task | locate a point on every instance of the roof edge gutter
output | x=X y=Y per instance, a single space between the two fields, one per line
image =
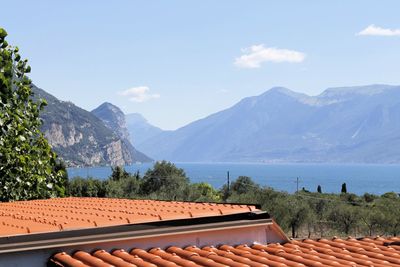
x=131 y=232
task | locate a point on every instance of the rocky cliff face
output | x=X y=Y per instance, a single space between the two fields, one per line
x=82 y=139
x=113 y=118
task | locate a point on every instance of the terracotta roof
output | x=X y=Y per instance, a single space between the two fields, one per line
x=23 y=217
x=322 y=252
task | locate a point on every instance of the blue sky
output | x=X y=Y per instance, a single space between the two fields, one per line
x=178 y=61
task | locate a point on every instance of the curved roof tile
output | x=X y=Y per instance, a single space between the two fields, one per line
x=322 y=252
x=58 y=214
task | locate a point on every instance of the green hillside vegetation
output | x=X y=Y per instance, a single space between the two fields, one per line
x=303 y=214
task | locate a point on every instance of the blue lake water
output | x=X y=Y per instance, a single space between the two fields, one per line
x=360 y=178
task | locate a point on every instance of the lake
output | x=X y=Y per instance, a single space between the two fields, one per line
x=360 y=178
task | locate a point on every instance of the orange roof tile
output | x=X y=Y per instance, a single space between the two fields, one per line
x=23 y=217
x=323 y=252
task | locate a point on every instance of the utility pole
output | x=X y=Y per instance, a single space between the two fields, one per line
x=297 y=182
x=228 y=181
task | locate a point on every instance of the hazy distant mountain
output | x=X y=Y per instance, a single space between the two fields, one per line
x=80 y=138
x=140 y=130
x=349 y=124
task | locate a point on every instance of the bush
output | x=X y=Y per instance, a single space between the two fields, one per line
x=203 y=192
x=89 y=187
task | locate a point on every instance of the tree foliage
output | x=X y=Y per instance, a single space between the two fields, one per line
x=86 y=187
x=118 y=173
x=344 y=188
x=345 y=217
x=297 y=214
x=319 y=189
x=28 y=166
x=167 y=180
x=123 y=184
x=203 y=192
x=303 y=214
x=243 y=185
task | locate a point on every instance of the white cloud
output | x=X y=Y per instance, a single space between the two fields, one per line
x=378 y=31
x=257 y=54
x=138 y=94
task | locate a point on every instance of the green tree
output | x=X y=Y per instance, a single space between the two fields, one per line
x=298 y=214
x=203 y=192
x=243 y=185
x=118 y=173
x=290 y=211
x=114 y=189
x=86 y=187
x=165 y=181
x=389 y=205
x=345 y=217
x=127 y=187
x=373 y=218
x=319 y=189
x=321 y=206
x=27 y=163
x=344 y=188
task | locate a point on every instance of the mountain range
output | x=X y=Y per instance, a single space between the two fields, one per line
x=345 y=125
x=341 y=125
x=140 y=129
x=82 y=138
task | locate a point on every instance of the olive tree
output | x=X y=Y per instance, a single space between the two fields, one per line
x=345 y=217
x=298 y=213
x=28 y=166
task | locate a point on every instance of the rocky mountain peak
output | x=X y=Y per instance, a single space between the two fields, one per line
x=82 y=139
x=113 y=118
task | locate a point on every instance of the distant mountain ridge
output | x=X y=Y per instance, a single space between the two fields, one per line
x=80 y=138
x=348 y=124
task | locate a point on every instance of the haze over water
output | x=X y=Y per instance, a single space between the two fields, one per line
x=360 y=178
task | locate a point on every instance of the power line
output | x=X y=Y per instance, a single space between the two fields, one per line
x=297 y=185
x=228 y=182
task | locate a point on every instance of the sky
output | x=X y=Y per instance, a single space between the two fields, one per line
x=178 y=61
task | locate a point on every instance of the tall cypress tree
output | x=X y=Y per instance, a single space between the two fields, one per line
x=344 y=188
